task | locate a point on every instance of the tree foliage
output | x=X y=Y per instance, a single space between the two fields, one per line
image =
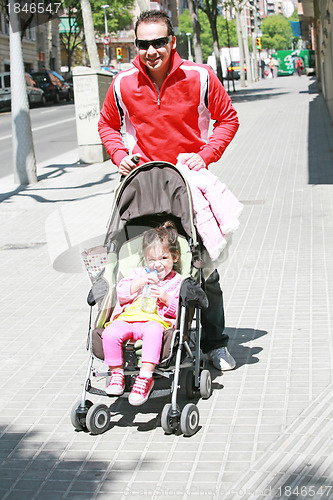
x=185 y=26
x=276 y=33
x=118 y=15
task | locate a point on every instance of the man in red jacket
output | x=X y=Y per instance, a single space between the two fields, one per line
x=165 y=104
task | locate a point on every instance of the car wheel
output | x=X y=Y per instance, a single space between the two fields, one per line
x=56 y=98
x=43 y=100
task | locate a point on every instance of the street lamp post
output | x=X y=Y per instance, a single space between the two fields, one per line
x=106 y=58
x=190 y=58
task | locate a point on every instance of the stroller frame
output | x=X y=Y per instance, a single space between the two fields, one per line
x=96 y=417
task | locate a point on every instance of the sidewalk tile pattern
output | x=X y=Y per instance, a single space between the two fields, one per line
x=268 y=424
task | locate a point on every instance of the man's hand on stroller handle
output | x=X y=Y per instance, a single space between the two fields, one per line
x=128 y=163
x=192 y=160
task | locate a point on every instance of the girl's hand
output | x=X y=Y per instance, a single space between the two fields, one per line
x=139 y=283
x=160 y=294
x=152 y=278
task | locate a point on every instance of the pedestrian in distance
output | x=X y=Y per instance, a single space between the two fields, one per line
x=166 y=104
x=271 y=65
x=299 y=66
x=134 y=319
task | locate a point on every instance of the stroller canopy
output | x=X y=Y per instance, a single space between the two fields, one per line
x=153 y=190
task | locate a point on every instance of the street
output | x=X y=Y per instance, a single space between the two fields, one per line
x=54 y=133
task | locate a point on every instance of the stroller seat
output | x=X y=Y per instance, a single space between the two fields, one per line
x=136 y=208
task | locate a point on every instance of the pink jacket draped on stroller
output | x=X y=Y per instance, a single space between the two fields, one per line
x=216 y=209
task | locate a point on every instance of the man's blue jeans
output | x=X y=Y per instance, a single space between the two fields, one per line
x=212 y=319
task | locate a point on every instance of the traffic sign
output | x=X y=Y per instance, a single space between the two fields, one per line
x=107 y=40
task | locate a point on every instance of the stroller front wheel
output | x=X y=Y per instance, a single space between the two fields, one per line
x=166 y=420
x=98 y=419
x=78 y=415
x=169 y=422
x=189 y=419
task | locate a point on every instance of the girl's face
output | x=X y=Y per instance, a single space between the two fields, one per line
x=159 y=258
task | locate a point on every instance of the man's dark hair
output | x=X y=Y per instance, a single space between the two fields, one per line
x=154 y=16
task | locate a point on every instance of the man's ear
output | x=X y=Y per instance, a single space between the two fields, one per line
x=173 y=42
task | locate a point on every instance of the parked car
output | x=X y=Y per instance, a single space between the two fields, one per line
x=54 y=85
x=34 y=93
x=69 y=80
x=234 y=70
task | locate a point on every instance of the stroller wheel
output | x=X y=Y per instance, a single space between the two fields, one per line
x=98 y=418
x=78 y=415
x=169 y=422
x=189 y=419
x=189 y=384
x=205 y=384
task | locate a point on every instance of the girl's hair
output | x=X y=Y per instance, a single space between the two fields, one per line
x=167 y=235
x=155 y=16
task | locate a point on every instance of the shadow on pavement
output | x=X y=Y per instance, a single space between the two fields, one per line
x=320 y=140
x=35 y=191
x=255 y=94
x=244 y=355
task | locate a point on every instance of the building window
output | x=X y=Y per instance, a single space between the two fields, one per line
x=30 y=33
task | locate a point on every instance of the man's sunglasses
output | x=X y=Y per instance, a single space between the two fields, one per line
x=158 y=43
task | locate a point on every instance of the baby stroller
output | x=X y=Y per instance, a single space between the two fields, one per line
x=149 y=195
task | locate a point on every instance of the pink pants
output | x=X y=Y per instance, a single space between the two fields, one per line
x=150 y=332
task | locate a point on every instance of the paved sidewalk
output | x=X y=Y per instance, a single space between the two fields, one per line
x=267 y=429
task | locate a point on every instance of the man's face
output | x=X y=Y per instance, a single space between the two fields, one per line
x=156 y=60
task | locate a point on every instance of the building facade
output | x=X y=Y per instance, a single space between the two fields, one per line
x=316 y=25
x=40 y=46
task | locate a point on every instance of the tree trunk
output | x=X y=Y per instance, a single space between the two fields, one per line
x=246 y=49
x=193 y=8
x=24 y=160
x=241 y=48
x=89 y=31
x=255 y=34
x=174 y=13
x=216 y=47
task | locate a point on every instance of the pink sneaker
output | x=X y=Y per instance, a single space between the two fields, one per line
x=116 y=386
x=140 y=391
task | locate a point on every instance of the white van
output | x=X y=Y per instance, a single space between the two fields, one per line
x=35 y=94
x=5 y=94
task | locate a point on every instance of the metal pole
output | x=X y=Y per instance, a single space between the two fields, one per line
x=190 y=58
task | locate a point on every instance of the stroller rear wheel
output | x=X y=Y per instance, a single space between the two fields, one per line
x=189 y=419
x=98 y=418
x=205 y=384
x=78 y=415
x=189 y=384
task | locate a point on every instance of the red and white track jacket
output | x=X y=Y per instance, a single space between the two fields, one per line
x=161 y=125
